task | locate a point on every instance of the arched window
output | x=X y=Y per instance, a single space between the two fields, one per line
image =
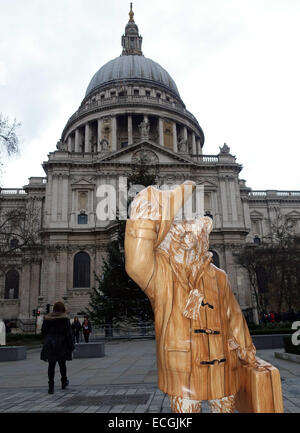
x=82 y=218
x=257 y=240
x=215 y=259
x=14 y=243
x=12 y=285
x=82 y=270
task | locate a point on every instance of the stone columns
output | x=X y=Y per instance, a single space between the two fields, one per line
x=113 y=134
x=54 y=198
x=161 y=131
x=65 y=196
x=175 y=149
x=185 y=134
x=246 y=212
x=194 y=149
x=224 y=201
x=234 y=201
x=87 y=138
x=100 y=122
x=30 y=288
x=61 y=275
x=77 y=140
x=199 y=149
x=69 y=143
x=130 y=138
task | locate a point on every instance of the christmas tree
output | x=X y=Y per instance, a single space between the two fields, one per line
x=117 y=298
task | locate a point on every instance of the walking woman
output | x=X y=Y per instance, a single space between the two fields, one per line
x=58 y=344
x=76 y=328
x=86 y=329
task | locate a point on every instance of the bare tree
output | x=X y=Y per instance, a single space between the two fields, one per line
x=250 y=259
x=9 y=140
x=20 y=228
x=274 y=266
x=8 y=136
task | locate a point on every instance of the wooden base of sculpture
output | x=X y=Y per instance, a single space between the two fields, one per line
x=250 y=398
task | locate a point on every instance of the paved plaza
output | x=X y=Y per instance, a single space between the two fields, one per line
x=124 y=381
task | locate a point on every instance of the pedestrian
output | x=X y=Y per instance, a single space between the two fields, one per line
x=58 y=344
x=86 y=329
x=76 y=328
x=277 y=317
x=263 y=319
x=271 y=317
x=8 y=327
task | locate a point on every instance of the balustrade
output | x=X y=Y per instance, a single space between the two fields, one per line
x=130 y=99
x=274 y=193
x=12 y=191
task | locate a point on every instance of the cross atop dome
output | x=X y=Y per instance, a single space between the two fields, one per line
x=131 y=14
x=131 y=40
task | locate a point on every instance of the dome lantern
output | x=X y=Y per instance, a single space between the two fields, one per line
x=131 y=40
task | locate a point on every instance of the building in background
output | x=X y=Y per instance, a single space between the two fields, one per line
x=132 y=110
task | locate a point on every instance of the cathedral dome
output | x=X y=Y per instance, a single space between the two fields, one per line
x=133 y=68
x=132 y=98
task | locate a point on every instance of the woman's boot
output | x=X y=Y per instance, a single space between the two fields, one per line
x=51 y=387
x=64 y=382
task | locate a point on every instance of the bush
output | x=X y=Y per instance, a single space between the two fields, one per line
x=264 y=331
x=270 y=326
x=289 y=346
x=253 y=326
x=276 y=325
x=23 y=339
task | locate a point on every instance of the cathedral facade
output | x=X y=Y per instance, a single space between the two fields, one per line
x=132 y=111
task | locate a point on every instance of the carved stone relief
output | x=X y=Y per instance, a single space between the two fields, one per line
x=145 y=156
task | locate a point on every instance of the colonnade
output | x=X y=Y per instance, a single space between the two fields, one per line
x=80 y=140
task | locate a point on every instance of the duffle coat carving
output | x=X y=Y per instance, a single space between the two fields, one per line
x=199 y=327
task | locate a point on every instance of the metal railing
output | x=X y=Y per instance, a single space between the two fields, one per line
x=128 y=332
x=26 y=325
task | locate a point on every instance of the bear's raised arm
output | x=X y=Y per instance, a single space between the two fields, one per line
x=152 y=214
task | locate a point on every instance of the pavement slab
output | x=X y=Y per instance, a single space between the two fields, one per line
x=124 y=381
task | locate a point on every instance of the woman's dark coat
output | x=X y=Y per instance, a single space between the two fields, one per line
x=76 y=327
x=58 y=343
x=86 y=331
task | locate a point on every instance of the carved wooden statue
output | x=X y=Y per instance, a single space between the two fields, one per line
x=201 y=335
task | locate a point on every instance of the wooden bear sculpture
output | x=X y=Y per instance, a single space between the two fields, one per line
x=201 y=333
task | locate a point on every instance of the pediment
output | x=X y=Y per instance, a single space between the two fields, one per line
x=82 y=183
x=255 y=214
x=153 y=153
x=293 y=214
x=208 y=183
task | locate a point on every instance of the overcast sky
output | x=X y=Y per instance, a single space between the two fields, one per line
x=236 y=64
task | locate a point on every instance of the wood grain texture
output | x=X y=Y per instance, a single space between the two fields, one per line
x=169 y=274
x=260 y=389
